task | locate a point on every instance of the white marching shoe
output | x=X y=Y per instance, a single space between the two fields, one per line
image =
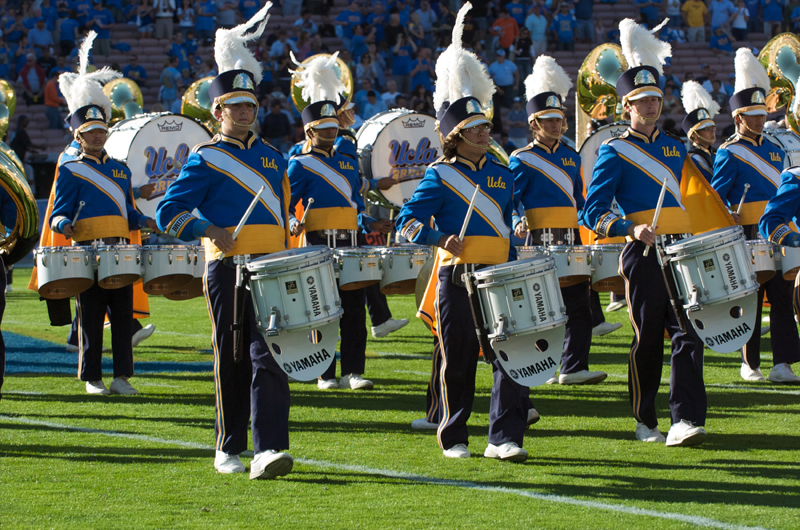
x=327 y=384
x=616 y=306
x=750 y=374
x=457 y=451
x=72 y=348
x=604 y=328
x=270 y=464
x=142 y=334
x=387 y=327
x=120 y=385
x=533 y=416
x=782 y=373
x=423 y=424
x=355 y=382
x=584 y=377
x=685 y=434
x=508 y=452
x=645 y=434
x=97 y=387
x=764 y=330
x=225 y=463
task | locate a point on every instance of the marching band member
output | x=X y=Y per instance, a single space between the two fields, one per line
x=220 y=179
x=632 y=169
x=699 y=125
x=548 y=183
x=332 y=180
x=749 y=158
x=462 y=88
x=107 y=217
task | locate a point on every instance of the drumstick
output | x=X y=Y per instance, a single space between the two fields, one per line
x=246 y=216
x=80 y=207
x=658 y=212
x=466 y=219
x=741 y=202
x=389 y=235
x=308 y=207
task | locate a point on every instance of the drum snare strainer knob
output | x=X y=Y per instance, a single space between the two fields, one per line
x=360 y=265
x=272 y=328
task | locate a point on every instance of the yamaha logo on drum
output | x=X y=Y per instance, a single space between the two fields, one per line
x=170 y=126
x=310 y=280
x=514 y=374
x=413 y=123
x=287 y=368
x=536 y=287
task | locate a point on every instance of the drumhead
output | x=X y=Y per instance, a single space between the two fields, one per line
x=406 y=250
x=534 y=265
x=711 y=239
x=788 y=141
x=399 y=144
x=154 y=147
x=288 y=258
x=592 y=144
x=358 y=252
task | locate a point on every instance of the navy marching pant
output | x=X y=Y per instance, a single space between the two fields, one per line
x=597 y=310
x=460 y=349
x=432 y=400
x=91 y=306
x=651 y=313
x=72 y=338
x=578 y=338
x=3 y=283
x=377 y=305
x=254 y=389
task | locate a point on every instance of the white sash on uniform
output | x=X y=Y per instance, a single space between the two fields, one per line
x=650 y=166
x=484 y=205
x=333 y=177
x=250 y=179
x=110 y=187
x=551 y=171
x=766 y=169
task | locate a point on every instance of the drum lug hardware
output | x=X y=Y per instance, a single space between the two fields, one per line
x=360 y=265
x=116 y=258
x=694 y=305
x=501 y=332
x=170 y=258
x=272 y=328
x=326 y=307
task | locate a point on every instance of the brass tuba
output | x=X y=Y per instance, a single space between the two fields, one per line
x=8 y=103
x=780 y=59
x=197 y=104
x=343 y=72
x=126 y=99
x=596 y=91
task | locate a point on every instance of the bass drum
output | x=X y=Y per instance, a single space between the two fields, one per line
x=154 y=147
x=788 y=141
x=399 y=144
x=592 y=144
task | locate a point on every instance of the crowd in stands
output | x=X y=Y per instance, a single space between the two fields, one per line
x=390 y=45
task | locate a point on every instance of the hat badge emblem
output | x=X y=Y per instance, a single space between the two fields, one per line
x=243 y=81
x=552 y=101
x=702 y=114
x=327 y=110
x=644 y=77
x=757 y=97
x=473 y=107
x=94 y=114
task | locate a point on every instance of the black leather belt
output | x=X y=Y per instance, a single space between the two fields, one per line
x=341 y=235
x=230 y=260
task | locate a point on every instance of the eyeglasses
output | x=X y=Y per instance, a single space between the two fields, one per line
x=479 y=128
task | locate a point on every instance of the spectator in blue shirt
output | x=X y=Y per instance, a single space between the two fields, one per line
x=796 y=20
x=517 y=12
x=68 y=33
x=772 y=15
x=178 y=49
x=190 y=43
x=563 y=26
x=205 y=26
x=377 y=19
x=305 y=23
x=5 y=60
x=39 y=37
x=506 y=78
x=358 y=44
x=721 y=11
x=669 y=76
x=346 y=22
x=360 y=97
x=721 y=42
x=584 y=30
x=401 y=65
x=648 y=10
x=249 y=8
x=50 y=15
x=422 y=70
x=404 y=10
x=84 y=9
x=373 y=106
x=171 y=82
x=101 y=20
x=135 y=71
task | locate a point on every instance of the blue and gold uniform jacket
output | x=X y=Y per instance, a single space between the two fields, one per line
x=332 y=181
x=704 y=160
x=444 y=194
x=220 y=179
x=782 y=209
x=104 y=185
x=746 y=161
x=346 y=145
x=548 y=184
x=632 y=169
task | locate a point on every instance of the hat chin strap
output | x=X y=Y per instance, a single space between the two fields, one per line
x=473 y=144
x=322 y=140
x=229 y=117
x=644 y=119
x=751 y=131
x=555 y=137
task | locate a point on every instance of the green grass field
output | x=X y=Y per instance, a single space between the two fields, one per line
x=70 y=460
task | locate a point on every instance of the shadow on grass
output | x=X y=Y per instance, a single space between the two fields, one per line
x=102 y=453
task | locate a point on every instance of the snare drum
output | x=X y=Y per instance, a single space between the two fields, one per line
x=358 y=267
x=167 y=268
x=528 y=252
x=118 y=265
x=605 y=269
x=762 y=259
x=401 y=266
x=297 y=308
x=790 y=262
x=574 y=263
x=63 y=271
x=789 y=143
x=525 y=316
x=194 y=288
x=714 y=278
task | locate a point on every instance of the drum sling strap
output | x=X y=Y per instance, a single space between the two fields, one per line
x=672 y=289
x=475 y=308
x=242 y=277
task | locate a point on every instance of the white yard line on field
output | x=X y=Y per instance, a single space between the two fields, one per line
x=560 y=499
x=411 y=372
x=756 y=389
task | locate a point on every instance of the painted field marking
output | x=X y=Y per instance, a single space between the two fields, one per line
x=411 y=372
x=560 y=499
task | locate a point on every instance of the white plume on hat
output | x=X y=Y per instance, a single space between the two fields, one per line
x=547 y=76
x=82 y=88
x=319 y=79
x=641 y=47
x=749 y=72
x=230 y=45
x=459 y=72
x=694 y=96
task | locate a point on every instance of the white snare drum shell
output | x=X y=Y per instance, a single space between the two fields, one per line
x=401 y=266
x=790 y=262
x=358 y=268
x=762 y=259
x=574 y=263
x=167 y=268
x=118 y=265
x=63 y=272
x=605 y=269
